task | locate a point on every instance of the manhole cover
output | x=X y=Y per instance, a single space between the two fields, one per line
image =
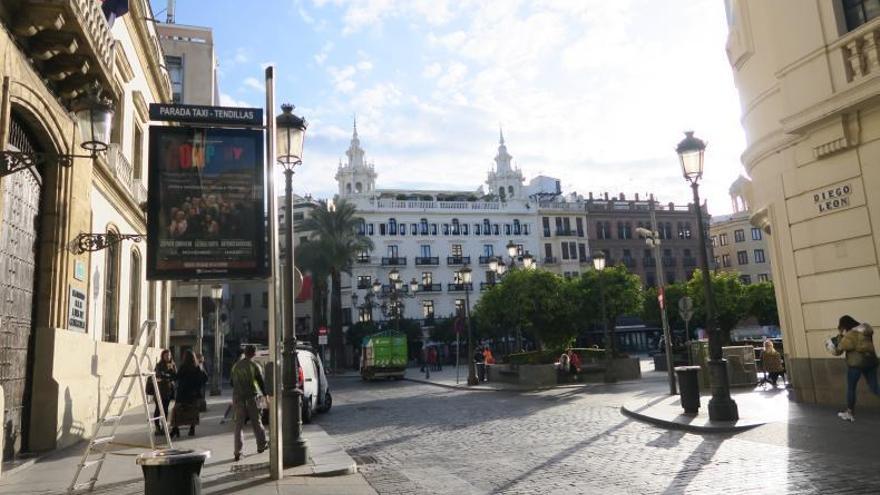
x=361 y=460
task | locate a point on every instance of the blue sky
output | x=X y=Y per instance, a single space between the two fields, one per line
x=593 y=92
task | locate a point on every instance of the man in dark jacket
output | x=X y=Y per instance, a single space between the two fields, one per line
x=247 y=388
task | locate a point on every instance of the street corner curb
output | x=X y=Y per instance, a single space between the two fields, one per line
x=718 y=428
x=464 y=387
x=18 y=468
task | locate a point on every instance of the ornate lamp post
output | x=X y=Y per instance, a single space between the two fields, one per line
x=652 y=238
x=599 y=266
x=289 y=135
x=217 y=296
x=721 y=407
x=464 y=274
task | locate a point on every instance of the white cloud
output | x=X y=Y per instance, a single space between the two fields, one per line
x=227 y=100
x=254 y=84
x=364 y=65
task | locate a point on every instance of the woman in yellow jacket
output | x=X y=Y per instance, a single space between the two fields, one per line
x=856 y=340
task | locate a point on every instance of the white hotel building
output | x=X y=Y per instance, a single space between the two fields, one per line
x=429 y=235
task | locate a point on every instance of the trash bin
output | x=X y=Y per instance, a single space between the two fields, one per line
x=689 y=387
x=176 y=471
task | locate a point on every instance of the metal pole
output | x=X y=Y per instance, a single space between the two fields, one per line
x=472 y=372
x=295 y=448
x=201 y=329
x=609 y=353
x=218 y=359
x=276 y=449
x=721 y=406
x=457 y=353
x=661 y=282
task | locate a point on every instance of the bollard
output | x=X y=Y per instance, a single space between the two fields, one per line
x=689 y=387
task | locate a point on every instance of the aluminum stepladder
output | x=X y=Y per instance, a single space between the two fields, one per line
x=135 y=370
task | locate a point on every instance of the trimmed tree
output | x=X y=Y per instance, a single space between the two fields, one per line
x=730 y=300
x=623 y=296
x=761 y=303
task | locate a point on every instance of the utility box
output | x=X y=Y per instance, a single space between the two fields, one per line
x=698 y=351
x=741 y=367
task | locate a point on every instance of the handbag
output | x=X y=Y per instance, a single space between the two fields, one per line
x=150 y=389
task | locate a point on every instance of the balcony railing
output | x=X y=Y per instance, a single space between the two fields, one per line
x=430 y=287
x=668 y=261
x=392 y=261
x=364 y=285
x=551 y=260
x=649 y=262
x=139 y=192
x=565 y=232
x=486 y=285
x=362 y=259
x=484 y=260
x=427 y=260
x=459 y=287
x=458 y=260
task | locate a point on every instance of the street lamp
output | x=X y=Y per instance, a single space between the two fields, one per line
x=511 y=249
x=217 y=296
x=289 y=136
x=464 y=275
x=529 y=262
x=599 y=266
x=652 y=238
x=721 y=406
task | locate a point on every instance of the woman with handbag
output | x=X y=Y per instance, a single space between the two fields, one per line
x=190 y=380
x=166 y=374
x=856 y=340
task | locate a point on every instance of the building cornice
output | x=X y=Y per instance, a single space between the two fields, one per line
x=147 y=47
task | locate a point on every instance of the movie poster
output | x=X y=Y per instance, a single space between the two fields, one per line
x=206 y=204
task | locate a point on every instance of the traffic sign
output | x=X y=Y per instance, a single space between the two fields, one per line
x=323 y=331
x=686 y=308
x=322 y=340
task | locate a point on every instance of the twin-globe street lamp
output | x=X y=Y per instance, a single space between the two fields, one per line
x=500 y=269
x=465 y=278
x=721 y=407
x=289 y=136
x=394 y=305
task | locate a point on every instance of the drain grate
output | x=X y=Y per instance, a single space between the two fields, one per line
x=361 y=460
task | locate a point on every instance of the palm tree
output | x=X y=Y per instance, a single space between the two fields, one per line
x=310 y=259
x=335 y=227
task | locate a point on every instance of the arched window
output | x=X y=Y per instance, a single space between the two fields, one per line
x=516 y=228
x=111 y=291
x=423 y=226
x=392 y=226
x=358 y=187
x=134 y=297
x=510 y=190
x=501 y=193
x=456 y=229
x=486 y=226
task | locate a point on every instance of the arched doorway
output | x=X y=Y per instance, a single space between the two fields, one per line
x=20 y=193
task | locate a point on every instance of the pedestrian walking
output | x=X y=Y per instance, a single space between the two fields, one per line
x=771 y=360
x=166 y=374
x=856 y=340
x=248 y=389
x=574 y=363
x=563 y=367
x=190 y=380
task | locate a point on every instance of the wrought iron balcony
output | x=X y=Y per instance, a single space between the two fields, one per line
x=364 y=284
x=430 y=287
x=565 y=232
x=458 y=260
x=487 y=285
x=398 y=261
x=551 y=260
x=427 y=261
x=459 y=287
x=484 y=260
x=363 y=259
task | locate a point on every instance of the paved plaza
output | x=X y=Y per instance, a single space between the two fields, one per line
x=414 y=438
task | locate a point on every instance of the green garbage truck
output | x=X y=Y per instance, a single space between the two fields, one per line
x=384 y=355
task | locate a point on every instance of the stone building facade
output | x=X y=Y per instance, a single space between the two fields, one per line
x=737 y=245
x=66 y=316
x=808 y=91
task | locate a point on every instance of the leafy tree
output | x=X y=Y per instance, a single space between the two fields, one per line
x=622 y=294
x=536 y=301
x=443 y=330
x=361 y=329
x=761 y=303
x=651 y=307
x=335 y=227
x=730 y=301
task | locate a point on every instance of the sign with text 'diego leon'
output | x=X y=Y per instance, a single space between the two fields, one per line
x=206 y=216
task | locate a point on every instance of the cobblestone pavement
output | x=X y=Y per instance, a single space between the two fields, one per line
x=412 y=438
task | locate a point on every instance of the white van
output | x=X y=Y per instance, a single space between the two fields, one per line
x=313 y=382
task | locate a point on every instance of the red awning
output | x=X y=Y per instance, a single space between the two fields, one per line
x=306 y=293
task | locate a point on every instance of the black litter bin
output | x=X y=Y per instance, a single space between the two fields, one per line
x=176 y=471
x=689 y=387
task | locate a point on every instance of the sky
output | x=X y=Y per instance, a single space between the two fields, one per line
x=596 y=93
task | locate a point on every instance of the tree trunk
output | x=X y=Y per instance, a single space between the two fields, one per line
x=612 y=328
x=336 y=319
